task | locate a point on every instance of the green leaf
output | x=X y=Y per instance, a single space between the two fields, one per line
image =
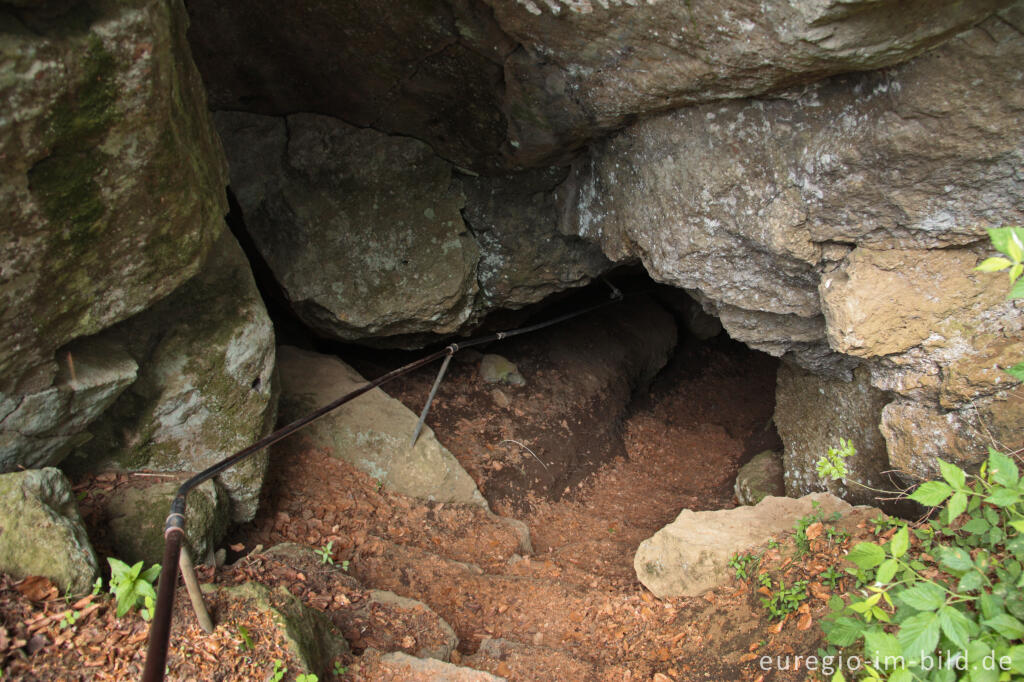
x=1003 y=497
x=887 y=571
x=900 y=543
x=1017 y=290
x=976 y=526
x=150 y=574
x=990 y=605
x=923 y=596
x=956 y=625
x=1016 y=655
x=953 y=474
x=956 y=506
x=1001 y=237
x=880 y=645
x=1014 y=248
x=919 y=635
x=1006 y=625
x=955 y=559
x=1017 y=526
x=866 y=555
x=931 y=493
x=971 y=582
x=994 y=264
x=843 y=631
x=901 y=675
x=1015 y=272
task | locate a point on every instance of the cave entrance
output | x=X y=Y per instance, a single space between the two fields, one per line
x=646 y=399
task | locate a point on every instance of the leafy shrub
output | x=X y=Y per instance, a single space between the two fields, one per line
x=957 y=612
x=131 y=586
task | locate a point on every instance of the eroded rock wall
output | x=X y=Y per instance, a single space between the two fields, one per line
x=837 y=225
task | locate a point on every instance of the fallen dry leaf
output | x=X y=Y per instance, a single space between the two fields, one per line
x=813 y=530
x=37 y=588
x=805 y=622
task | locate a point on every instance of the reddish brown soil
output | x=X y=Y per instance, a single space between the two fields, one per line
x=571 y=610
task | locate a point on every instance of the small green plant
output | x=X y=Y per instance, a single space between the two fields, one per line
x=70 y=618
x=957 y=612
x=785 y=600
x=97 y=586
x=246 y=644
x=130 y=585
x=326 y=553
x=744 y=564
x=882 y=523
x=344 y=565
x=1010 y=242
x=340 y=669
x=307 y=677
x=803 y=543
x=278 y=673
x=832 y=465
x=773 y=544
x=764 y=580
x=831 y=575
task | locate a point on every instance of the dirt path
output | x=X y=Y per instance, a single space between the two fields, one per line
x=570 y=609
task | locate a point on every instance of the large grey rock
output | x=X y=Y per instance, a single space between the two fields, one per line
x=759 y=478
x=838 y=226
x=812 y=413
x=398 y=665
x=307 y=632
x=206 y=385
x=691 y=555
x=136 y=518
x=360 y=228
x=41 y=531
x=496 y=84
x=372 y=236
x=40 y=429
x=112 y=181
x=523 y=256
x=371 y=432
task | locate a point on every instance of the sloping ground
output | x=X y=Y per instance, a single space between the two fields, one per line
x=571 y=610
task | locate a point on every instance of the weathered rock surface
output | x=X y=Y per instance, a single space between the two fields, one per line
x=495 y=84
x=389 y=601
x=838 y=226
x=812 y=413
x=41 y=428
x=401 y=667
x=206 y=386
x=759 y=478
x=523 y=255
x=497 y=369
x=309 y=634
x=360 y=228
x=41 y=531
x=136 y=517
x=365 y=233
x=112 y=185
x=371 y=432
x=691 y=555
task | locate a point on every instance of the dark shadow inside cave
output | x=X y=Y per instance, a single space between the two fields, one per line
x=651 y=376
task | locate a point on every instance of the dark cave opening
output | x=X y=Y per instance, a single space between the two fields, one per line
x=652 y=374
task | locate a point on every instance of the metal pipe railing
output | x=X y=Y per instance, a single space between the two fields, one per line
x=174 y=530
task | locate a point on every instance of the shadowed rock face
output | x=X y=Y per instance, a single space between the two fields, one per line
x=838 y=226
x=493 y=84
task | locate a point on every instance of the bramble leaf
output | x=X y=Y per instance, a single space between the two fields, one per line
x=994 y=264
x=866 y=555
x=931 y=493
x=953 y=474
x=919 y=634
x=923 y=596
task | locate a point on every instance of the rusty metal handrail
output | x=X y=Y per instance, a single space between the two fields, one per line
x=174 y=529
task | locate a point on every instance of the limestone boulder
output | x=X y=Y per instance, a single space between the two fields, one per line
x=307 y=632
x=206 y=386
x=495 y=84
x=41 y=531
x=41 y=428
x=372 y=432
x=691 y=555
x=523 y=255
x=759 y=478
x=361 y=230
x=812 y=413
x=112 y=184
x=136 y=517
x=749 y=202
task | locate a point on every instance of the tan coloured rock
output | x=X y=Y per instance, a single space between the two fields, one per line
x=371 y=432
x=691 y=555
